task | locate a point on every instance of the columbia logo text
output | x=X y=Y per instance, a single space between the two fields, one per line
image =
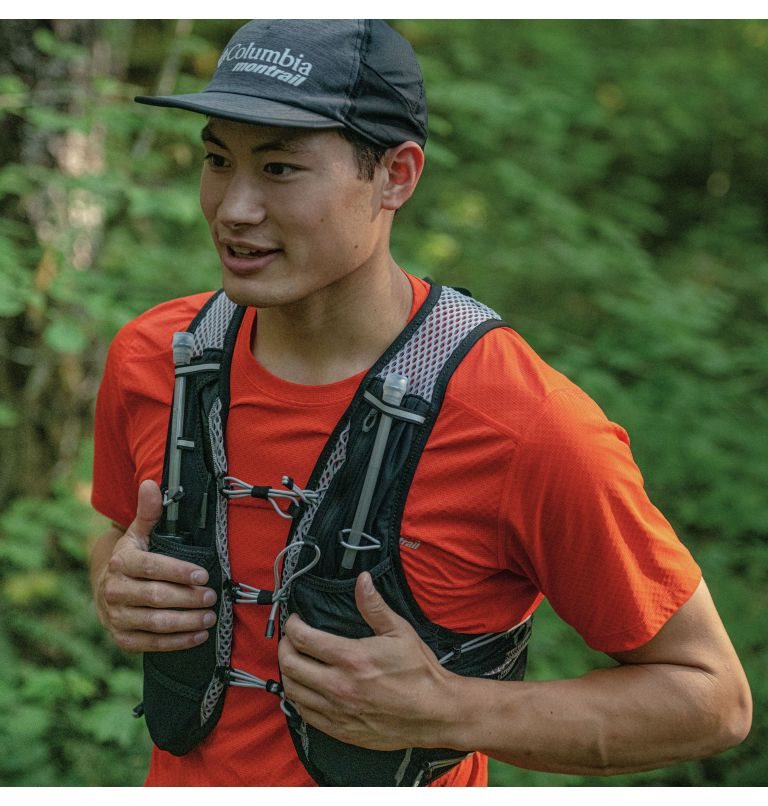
x=282 y=65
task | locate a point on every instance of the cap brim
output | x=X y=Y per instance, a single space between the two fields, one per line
x=244 y=108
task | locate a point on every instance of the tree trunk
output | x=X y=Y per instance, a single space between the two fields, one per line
x=48 y=362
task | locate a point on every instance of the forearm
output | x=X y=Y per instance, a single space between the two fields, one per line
x=680 y=696
x=610 y=721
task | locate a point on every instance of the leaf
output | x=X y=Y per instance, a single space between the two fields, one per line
x=65 y=336
x=9 y=417
x=31 y=587
x=111 y=721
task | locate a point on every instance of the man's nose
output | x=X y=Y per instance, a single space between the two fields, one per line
x=243 y=203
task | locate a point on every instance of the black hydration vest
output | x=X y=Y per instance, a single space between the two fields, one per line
x=346 y=520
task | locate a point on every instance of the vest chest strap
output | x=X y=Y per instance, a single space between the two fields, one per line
x=232 y=487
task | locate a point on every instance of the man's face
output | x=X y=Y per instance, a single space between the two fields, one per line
x=288 y=213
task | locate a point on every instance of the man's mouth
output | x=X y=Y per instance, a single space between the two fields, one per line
x=246 y=258
x=241 y=252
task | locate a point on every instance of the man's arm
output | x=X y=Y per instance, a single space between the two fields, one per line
x=148 y=602
x=681 y=696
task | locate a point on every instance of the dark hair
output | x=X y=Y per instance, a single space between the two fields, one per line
x=368 y=154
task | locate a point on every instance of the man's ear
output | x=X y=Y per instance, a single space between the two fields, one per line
x=403 y=165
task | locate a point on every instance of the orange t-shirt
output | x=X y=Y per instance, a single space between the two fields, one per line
x=524 y=490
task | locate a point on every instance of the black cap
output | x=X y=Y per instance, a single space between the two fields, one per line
x=316 y=74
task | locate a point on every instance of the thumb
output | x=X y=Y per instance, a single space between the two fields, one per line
x=376 y=612
x=149 y=508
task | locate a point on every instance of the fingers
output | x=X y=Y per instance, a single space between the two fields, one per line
x=148 y=616
x=315 y=689
x=298 y=656
x=140 y=641
x=323 y=672
x=305 y=699
x=148 y=619
x=317 y=644
x=138 y=563
x=343 y=699
x=150 y=601
x=130 y=591
x=145 y=629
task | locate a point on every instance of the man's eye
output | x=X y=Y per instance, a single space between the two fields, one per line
x=279 y=169
x=215 y=160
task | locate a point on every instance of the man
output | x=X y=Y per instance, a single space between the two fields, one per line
x=313 y=140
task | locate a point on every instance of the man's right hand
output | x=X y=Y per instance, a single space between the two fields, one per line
x=149 y=602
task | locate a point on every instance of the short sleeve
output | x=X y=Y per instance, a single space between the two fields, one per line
x=133 y=406
x=585 y=530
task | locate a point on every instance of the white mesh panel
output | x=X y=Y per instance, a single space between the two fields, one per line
x=212 y=329
x=423 y=357
x=225 y=623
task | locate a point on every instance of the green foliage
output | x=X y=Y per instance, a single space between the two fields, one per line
x=601 y=183
x=66 y=692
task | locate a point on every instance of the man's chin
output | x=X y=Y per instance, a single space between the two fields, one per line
x=248 y=293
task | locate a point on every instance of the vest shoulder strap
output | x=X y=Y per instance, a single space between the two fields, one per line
x=427 y=352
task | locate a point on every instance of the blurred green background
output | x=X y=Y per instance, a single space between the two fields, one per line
x=603 y=184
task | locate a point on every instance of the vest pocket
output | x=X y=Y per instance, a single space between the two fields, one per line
x=329 y=604
x=359 y=767
x=175 y=683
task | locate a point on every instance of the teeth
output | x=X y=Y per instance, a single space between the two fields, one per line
x=244 y=252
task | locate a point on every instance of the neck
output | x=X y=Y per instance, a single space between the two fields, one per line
x=337 y=333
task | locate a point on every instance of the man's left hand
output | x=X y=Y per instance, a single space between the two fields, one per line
x=385 y=692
